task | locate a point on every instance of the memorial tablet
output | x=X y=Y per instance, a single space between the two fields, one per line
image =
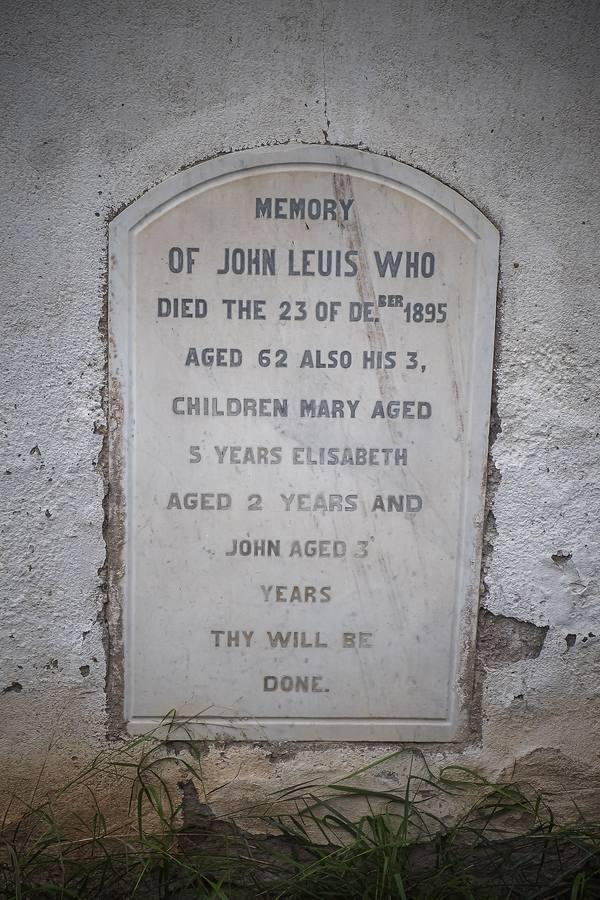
x=301 y=360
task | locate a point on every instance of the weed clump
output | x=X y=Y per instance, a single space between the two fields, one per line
x=503 y=842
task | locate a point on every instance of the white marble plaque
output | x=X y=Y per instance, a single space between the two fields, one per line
x=301 y=359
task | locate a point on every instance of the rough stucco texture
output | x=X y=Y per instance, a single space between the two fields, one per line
x=496 y=99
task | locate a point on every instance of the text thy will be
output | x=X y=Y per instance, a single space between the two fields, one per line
x=288 y=640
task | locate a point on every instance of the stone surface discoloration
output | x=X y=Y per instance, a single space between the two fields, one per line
x=497 y=101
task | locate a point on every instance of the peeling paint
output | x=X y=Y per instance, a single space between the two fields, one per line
x=504 y=639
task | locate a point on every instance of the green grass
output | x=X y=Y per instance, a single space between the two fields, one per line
x=501 y=841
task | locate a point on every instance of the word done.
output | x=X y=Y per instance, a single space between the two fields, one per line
x=299 y=684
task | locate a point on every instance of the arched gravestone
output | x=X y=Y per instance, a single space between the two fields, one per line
x=301 y=346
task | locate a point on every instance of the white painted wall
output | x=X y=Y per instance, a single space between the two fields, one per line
x=497 y=100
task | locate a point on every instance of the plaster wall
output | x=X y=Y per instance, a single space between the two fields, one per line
x=497 y=100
